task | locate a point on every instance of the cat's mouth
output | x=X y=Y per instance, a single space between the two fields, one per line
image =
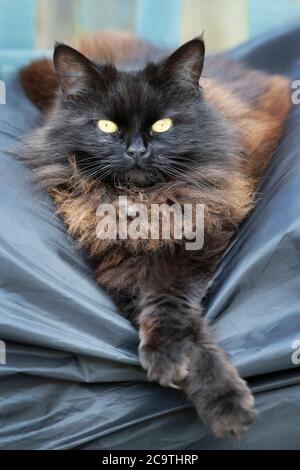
x=133 y=177
x=137 y=178
x=141 y=179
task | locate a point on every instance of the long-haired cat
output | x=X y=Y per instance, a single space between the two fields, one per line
x=158 y=136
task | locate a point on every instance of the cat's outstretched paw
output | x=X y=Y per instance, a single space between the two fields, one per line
x=233 y=412
x=168 y=367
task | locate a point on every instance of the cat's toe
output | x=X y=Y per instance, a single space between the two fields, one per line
x=161 y=368
x=235 y=415
x=234 y=424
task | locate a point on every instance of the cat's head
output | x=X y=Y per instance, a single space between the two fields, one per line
x=136 y=128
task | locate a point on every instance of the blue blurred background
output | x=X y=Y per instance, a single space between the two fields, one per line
x=30 y=25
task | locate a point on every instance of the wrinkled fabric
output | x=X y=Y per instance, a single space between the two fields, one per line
x=72 y=378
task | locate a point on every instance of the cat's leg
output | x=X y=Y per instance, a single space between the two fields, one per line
x=168 y=330
x=222 y=399
x=177 y=350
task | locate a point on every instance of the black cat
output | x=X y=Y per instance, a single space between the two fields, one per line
x=156 y=136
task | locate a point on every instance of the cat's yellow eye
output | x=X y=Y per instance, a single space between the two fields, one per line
x=163 y=125
x=108 y=127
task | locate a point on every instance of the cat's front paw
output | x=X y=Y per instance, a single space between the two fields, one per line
x=168 y=367
x=232 y=411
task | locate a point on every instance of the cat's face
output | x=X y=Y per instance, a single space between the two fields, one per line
x=136 y=128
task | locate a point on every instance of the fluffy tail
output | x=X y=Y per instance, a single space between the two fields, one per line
x=40 y=82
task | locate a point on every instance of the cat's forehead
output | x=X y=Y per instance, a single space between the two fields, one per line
x=133 y=94
x=135 y=89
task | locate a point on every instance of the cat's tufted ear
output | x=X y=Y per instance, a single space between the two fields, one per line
x=75 y=72
x=186 y=63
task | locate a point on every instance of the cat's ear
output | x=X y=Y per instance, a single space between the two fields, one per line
x=186 y=63
x=75 y=72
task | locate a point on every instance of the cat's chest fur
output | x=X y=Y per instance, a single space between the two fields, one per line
x=252 y=106
x=225 y=204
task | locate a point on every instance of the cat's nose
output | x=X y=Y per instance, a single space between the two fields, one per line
x=137 y=151
x=137 y=154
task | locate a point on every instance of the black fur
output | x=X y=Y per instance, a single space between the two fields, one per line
x=160 y=292
x=134 y=101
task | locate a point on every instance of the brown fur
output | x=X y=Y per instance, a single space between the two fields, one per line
x=260 y=122
x=259 y=118
x=256 y=106
x=225 y=207
x=39 y=79
x=255 y=103
x=157 y=283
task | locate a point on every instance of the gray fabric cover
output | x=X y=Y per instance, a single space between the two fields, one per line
x=72 y=378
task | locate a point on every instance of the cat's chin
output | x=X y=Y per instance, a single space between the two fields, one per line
x=138 y=179
x=142 y=184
